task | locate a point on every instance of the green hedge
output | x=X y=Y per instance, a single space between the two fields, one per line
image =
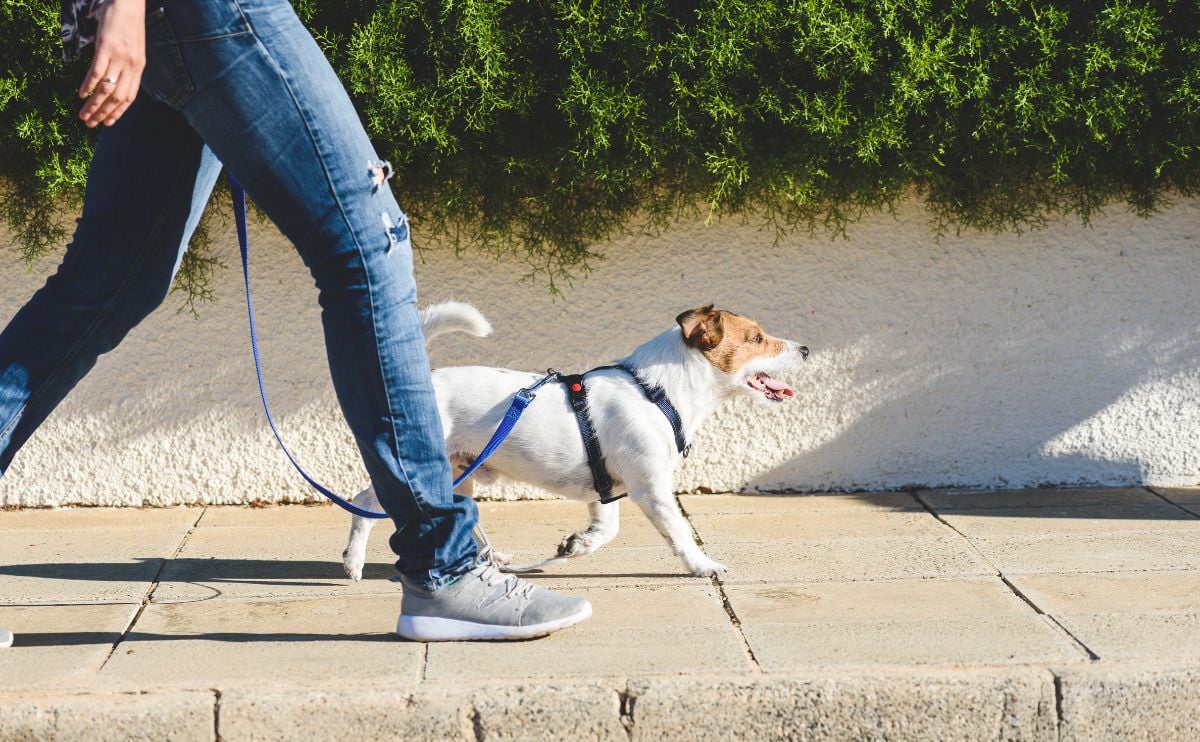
x=542 y=127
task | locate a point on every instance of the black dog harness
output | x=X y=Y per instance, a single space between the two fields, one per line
x=577 y=392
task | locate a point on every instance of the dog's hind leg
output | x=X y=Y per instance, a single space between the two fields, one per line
x=658 y=503
x=606 y=521
x=355 y=555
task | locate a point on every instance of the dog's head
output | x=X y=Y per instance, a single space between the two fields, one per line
x=737 y=347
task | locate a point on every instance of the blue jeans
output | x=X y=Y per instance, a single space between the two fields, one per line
x=241 y=82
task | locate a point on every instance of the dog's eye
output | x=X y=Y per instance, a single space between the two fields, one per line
x=758 y=338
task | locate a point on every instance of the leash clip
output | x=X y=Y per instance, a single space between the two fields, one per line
x=527 y=393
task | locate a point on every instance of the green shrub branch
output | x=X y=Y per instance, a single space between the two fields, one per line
x=540 y=128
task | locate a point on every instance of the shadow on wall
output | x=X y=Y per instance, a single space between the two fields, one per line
x=1074 y=395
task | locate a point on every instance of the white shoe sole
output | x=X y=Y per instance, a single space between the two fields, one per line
x=6 y=638
x=434 y=629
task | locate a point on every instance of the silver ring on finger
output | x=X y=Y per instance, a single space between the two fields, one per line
x=110 y=80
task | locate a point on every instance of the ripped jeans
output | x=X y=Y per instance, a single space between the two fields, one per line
x=241 y=82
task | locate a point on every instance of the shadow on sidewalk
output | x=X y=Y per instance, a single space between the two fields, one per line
x=109 y=638
x=245 y=571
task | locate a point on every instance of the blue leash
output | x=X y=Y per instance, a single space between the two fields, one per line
x=520 y=401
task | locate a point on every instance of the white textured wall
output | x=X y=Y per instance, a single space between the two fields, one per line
x=1068 y=355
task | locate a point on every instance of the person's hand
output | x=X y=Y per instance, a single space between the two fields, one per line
x=116 y=73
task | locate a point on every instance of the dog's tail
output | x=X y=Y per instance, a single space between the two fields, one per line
x=454 y=316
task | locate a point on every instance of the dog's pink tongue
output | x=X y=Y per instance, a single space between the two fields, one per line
x=776 y=386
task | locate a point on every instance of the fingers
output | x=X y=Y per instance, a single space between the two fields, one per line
x=106 y=97
x=113 y=93
x=110 y=100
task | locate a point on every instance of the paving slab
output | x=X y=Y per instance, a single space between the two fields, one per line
x=818 y=524
x=800 y=503
x=967 y=705
x=102 y=717
x=1125 y=615
x=1128 y=636
x=843 y=560
x=1122 y=592
x=60 y=646
x=1086 y=519
x=209 y=643
x=1102 y=703
x=904 y=622
x=265 y=561
x=674 y=629
x=88 y=564
x=1051 y=553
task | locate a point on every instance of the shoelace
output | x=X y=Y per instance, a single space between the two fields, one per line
x=491 y=574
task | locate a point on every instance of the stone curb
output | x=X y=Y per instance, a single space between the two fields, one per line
x=1101 y=702
x=1087 y=702
x=99 y=717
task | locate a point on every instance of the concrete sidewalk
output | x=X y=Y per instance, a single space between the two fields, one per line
x=1041 y=614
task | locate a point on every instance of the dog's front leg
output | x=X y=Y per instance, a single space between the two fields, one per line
x=355 y=555
x=606 y=521
x=660 y=507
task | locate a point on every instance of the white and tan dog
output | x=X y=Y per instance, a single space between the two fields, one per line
x=711 y=356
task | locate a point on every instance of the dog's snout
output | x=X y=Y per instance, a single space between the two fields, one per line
x=803 y=351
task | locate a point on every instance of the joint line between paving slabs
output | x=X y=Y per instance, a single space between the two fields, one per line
x=1169 y=501
x=1054 y=622
x=217 y=714
x=728 y=606
x=150 y=591
x=423 y=663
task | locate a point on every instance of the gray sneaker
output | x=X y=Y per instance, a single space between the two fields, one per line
x=486 y=605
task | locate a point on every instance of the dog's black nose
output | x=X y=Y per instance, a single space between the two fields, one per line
x=804 y=352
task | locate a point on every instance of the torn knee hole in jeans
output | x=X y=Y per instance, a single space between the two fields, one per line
x=379 y=172
x=397 y=232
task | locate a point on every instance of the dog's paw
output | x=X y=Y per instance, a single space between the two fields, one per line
x=706 y=567
x=577 y=544
x=353 y=564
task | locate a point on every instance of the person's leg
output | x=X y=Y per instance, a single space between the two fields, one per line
x=254 y=85
x=147 y=186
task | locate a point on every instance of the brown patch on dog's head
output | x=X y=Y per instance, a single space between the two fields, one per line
x=729 y=341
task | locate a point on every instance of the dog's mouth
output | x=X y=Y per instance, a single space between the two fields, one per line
x=769 y=387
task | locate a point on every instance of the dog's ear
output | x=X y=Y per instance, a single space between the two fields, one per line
x=701 y=327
